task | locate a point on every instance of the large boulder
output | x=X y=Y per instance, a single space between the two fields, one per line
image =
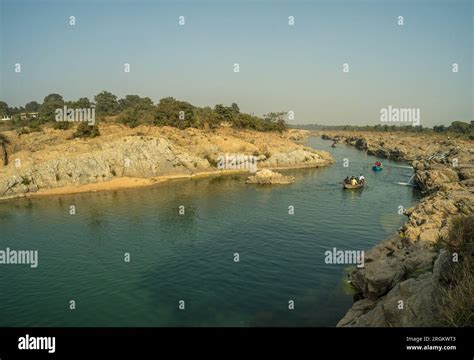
x=267 y=177
x=430 y=235
x=361 y=144
x=301 y=157
x=431 y=180
x=389 y=263
x=410 y=303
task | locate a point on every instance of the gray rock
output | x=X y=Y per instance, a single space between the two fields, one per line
x=442 y=267
x=409 y=303
x=381 y=276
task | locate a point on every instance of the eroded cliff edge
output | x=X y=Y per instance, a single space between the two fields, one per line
x=409 y=266
x=49 y=159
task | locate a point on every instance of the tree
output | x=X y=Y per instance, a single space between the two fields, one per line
x=460 y=127
x=439 y=128
x=4 y=110
x=51 y=102
x=274 y=117
x=135 y=101
x=106 y=103
x=82 y=103
x=53 y=97
x=3 y=144
x=275 y=121
x=16 y=110
x=173 y=112
x=235 y=108
x=206 y=118
x=224 y=112
x=136 y=115
x=32 y=106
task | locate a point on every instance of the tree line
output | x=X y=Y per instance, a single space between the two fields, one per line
x=456 y=127
x=133 y=110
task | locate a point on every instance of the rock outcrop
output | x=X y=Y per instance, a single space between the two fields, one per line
x=48 y=160
x=411 y=302
x=397 y=287
x=268 y=177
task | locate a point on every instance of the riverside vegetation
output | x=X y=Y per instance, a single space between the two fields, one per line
x=133 y=110
x=424 y=276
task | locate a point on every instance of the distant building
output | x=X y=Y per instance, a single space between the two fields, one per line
x=24 y=116
x=6 y=118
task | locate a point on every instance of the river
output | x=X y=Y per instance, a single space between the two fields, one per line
x=191 y=257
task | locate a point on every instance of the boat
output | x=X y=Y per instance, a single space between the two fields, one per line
x=377 y=166
x=357 y=186
x=333 y=145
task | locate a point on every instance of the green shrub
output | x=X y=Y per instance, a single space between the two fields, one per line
x=85 y=130
x=135 y=116
x=62 y=125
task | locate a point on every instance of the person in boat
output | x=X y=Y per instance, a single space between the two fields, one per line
x=361 y=179
x=378 y=164
x=347 y=180
x=353 y=181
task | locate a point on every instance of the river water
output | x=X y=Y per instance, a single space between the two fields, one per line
x=191 y=257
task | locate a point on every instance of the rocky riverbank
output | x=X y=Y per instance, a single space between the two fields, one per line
x=49 y=162
x=399 y=284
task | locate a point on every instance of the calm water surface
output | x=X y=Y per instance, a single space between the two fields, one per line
x=191 y=257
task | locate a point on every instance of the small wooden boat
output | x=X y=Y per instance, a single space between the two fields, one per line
x=350 y=186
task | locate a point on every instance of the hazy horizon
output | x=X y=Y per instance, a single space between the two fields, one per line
x=282 y=68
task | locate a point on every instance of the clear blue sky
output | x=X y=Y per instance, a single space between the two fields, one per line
x=282 y=68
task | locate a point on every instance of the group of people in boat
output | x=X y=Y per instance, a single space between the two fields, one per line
x=355 y=180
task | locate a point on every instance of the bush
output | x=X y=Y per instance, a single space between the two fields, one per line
x=456 y=300
x=135 y=116
x=62 y=125
x=456 y=296
x=85 y=130
x=461 y=236
x=29 y=129
x=22 y=130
